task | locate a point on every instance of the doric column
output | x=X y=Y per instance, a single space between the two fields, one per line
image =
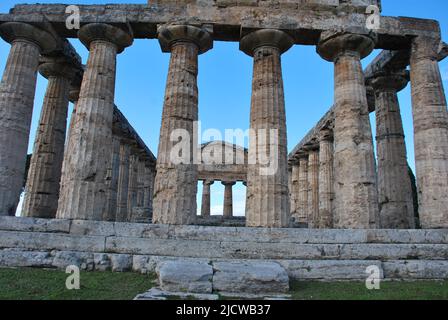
x=313 y=188
x=302 y=199
x=113 y=173
x=148 y=186
x=326 y=194
x=430 y=133
x=267 y=192
x=294 y=191
x=228 y=199
x=205 y=207
x=176 y=179
x=84 y=183
x=394 y=183
x=356 y=197
x=44 y=175
x=132 y=185
x=17 y=91
x=123 y=181
x=141 y=182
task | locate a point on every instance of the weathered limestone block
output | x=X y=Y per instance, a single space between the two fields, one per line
x=17 y=90
x=161 y=231
x=83 y=260
x=51 y=241
x=102 y=262
x=356 y=196
x=121 y=262
x=92 y=228
x=329 y=269
x=18 y=258
x=394 y=183
x=44 y=175
x=83 y=192
x=416 y=269
x=167 y=247
x=185 y=276
x=267 y=195
x=430 y=115
x=176 y=179
x=34 y=224
x=407 y=236
x=394 y=251
x=250 y=277
x=326 y=180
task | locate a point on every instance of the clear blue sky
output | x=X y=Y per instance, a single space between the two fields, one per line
x=225 y=84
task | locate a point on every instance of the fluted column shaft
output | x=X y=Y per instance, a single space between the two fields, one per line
x=44 y=175
x=206 y=195
x=84 y=183
x=313 y=191
x=302 y=212
x=228 y=199
x=132 y=185
x=326 y=194
x=394 y=183
x=429 y=110
x=356 y=197
x=123 y=182
x=113 y=173
x=294 y=190
x=267 y=178
x=176 y=181
x=17 y=90
x=148 y=187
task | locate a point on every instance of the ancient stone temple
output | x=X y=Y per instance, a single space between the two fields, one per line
x=95 y=193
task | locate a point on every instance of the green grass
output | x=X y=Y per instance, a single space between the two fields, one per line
x=40 y=284
x=419 y=290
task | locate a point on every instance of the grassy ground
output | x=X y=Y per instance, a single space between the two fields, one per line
x=42 y=284
x=50 y=284
x=419 y=290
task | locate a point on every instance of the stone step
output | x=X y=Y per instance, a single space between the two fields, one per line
x=223 y=234
x=297 y=269
x=223 y=250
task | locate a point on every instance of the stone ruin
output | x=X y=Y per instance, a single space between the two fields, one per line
x=104 y=202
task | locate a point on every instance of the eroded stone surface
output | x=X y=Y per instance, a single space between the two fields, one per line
x=250 y=277
x=185 y=276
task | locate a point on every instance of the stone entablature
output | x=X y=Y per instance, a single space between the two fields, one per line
x=227 y=22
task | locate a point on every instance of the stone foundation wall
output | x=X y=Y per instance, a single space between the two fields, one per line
x=304 y=253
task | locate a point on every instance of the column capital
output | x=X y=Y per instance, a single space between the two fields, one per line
x=208 y=182
x=333 y=43
x=389 y=80
x=57 y=67
x=12 y=31
x=170 y=35
x=266 y=38
x=326 y=135
x=425 y=48
x=228 y=183
x=105 y=32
